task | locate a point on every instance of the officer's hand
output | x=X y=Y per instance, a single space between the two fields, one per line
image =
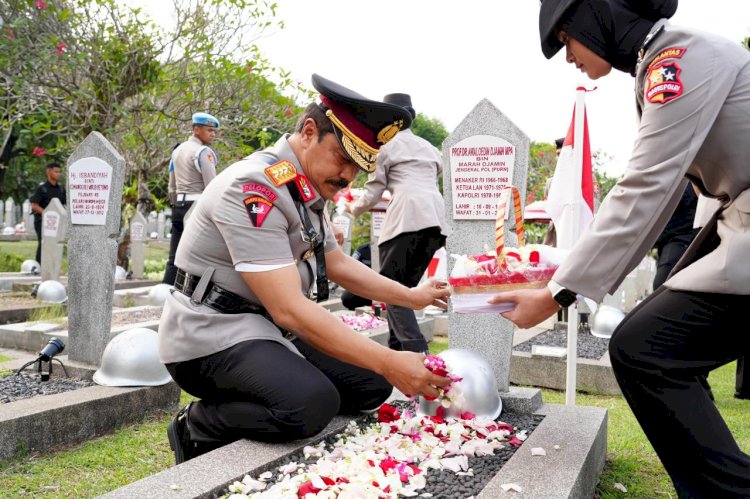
x=532 y=306
x=338 y=234
x=406 y=372
x=431 y=292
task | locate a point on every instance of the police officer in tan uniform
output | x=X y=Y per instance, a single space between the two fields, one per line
x=191 y=168
x=240 y=331
x=414 y=228
x=693 y=103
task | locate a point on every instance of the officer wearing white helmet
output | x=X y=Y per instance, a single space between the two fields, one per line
x=191 y=168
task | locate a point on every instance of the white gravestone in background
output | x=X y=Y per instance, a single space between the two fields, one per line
x=28 y=217
x=377 y=218
x=137 y=244
x=54 y=225
x=10 y=212
x=160 y=227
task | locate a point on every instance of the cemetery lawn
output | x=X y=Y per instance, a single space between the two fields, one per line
x=140 y=450
x=13 y=253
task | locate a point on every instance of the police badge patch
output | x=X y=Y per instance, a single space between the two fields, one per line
x=257 y=209
x=663 y=82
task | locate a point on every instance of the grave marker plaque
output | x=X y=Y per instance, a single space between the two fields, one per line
x=90 y=180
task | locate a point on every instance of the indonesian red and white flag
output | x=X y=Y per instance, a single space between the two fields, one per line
x=570 y=201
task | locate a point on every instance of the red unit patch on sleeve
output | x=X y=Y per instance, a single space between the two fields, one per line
x=257 y=209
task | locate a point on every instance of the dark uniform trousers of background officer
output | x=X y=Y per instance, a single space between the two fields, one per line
x=179 y=210
x=348 y=299
x=42 y=196
x=405 y=259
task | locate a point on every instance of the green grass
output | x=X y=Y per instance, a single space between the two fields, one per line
x=13 y=253
x=140 y=450
x=4 y=371
x=53 y=313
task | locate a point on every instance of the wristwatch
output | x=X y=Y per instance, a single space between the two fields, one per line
x=564 y=297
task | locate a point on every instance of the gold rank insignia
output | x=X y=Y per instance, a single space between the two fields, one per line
x=390 y=131
x=282 y=172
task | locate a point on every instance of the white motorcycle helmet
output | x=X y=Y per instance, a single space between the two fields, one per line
x=158 y=294
x=132 y=359
x=477 y=391
x=120 y=273
x=605 y=320
x=30 y=267
x=51 y=292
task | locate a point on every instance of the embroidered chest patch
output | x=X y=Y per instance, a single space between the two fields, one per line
x=257 y=209
x=282 y=172
x=663 y=82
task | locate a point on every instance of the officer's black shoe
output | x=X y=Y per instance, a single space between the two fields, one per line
x=179 y=436
x=742 y=396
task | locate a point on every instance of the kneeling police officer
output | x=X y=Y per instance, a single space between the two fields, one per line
x=240 y=332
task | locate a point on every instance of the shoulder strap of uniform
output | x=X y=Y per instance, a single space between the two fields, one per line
x=316 y=240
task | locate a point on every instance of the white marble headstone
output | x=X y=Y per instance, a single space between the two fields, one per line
x=485 y=152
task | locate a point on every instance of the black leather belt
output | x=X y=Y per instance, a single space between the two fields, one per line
x=222 y=300
x=216 y=297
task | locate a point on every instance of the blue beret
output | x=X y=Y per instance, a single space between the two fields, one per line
x=205 y=119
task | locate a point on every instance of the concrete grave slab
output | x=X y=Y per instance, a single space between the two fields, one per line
x=571 y=472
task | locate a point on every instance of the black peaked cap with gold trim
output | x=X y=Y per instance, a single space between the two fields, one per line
x=361 y=125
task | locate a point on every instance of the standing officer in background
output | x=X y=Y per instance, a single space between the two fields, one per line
x=192 y=167
x=693 y=101
x=414 y=227
x=240 y=332
x=44 y=193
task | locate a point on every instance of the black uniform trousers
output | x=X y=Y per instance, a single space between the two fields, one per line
x=178 y=216
x=405 y=259
x=261 y=390
x=38 y=230
x=658 y=353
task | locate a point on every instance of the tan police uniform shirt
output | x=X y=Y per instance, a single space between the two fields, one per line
x=241 y=218
x=409 y=167
x=693 y=98
x=194 y=167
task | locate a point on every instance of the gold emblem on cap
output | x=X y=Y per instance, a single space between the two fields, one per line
x=360 y=151
x=390 y=131
x=363 y=159
x=281 y=173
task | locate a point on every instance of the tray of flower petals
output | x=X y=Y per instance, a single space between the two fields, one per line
x=476 y=278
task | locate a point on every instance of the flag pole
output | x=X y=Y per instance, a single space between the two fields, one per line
x=572 y=352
